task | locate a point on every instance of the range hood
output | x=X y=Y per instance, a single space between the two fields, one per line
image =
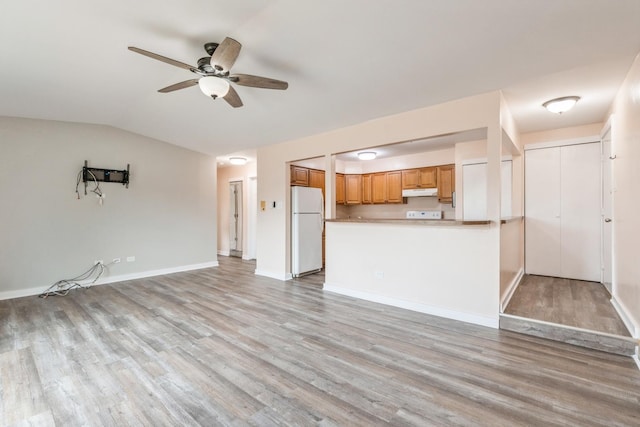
x=420 y=192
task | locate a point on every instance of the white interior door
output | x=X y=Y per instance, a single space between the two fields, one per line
x=607 y=211
x=580 y=211
x=542 y=212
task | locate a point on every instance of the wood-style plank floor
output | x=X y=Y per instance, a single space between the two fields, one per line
x=569 y=302
x=222 y=346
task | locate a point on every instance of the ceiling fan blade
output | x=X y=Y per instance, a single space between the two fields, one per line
x=161 y=58
x=257 y=81
x=233 y=98
x=225 y=54
x=181 y=85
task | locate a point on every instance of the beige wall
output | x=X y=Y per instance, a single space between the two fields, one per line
x=166 y=218
x=273 y=224
x=562 y=134
x=626 y=197
x=225 y=176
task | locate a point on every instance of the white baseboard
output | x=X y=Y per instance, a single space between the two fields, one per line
x=626 y=318
x=113 y=279
x=409 y=305
x=277 y=276
x=224 y=253
x=247 y=258
x=511 y=289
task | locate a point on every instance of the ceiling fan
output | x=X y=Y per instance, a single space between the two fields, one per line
x=214 y=80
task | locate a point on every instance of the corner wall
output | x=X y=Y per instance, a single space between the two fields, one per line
x=165 y=219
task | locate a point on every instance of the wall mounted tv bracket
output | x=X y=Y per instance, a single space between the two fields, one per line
x=104 y=175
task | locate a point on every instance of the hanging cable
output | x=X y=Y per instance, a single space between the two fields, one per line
x=62 y=287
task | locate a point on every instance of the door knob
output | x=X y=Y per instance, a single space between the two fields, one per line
x=607 y=220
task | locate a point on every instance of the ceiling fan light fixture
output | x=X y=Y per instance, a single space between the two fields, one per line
x=367 y=155
x=239 y=161
x=214 y=87
x=561 y=105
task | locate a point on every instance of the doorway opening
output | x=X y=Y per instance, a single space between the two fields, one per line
x=235 y=219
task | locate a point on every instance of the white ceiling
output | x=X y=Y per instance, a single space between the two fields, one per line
x=346 y=62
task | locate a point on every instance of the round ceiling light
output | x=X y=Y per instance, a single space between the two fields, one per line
x=561 y=105
x=214 y=87
x=239 y=161
x=367 y=155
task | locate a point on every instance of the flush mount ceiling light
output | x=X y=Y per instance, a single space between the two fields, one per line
x=561 y=105
x=238 y=161
x=367 y=155
x=214 y=87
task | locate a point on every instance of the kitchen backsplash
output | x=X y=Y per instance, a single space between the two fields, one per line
x=389 y=211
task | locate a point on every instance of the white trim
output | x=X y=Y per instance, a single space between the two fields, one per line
x=608 y=125
x=626 y=319
x=563 y=142
x=636 y=359
x=223 y=253
x=19 y=293
x=113 y=279
x=277 y=276
x=409 y=305
x=511 y=289
x=246 y=257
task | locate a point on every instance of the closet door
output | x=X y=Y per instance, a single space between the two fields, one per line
x=542 y=212
x=580 y=208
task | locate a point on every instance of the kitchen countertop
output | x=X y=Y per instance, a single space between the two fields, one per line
x=432 y=222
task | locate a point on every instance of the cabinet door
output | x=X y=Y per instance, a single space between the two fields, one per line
x=446 y=183
x=316 y=179
x=394 y=187
x=366 y=189
x=428 y=178
x=340 y=189
x=379 y=187
x=299 y=176
x=410 y=179
x=353 y=189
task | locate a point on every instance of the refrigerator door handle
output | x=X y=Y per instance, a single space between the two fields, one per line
x=322 y=213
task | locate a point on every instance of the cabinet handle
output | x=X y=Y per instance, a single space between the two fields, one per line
x=607 y=220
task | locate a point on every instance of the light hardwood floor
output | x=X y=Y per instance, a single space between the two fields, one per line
x=222 y=346
x=568 y=302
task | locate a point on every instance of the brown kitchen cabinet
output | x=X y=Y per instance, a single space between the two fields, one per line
x=353 y=189
x=340 y=189
x=299 y=176
x=419 y=178
x=366 y=189
x=316 y=179
x=446 y=183
x=386 y=187
x=394 y=187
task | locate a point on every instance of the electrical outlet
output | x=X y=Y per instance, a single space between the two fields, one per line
x=116 y=260
x=131 y=259
x=98 y=261
x=378 y=274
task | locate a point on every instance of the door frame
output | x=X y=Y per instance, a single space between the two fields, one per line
x=607 y=244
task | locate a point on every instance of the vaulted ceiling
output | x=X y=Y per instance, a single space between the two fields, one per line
x=346 y=62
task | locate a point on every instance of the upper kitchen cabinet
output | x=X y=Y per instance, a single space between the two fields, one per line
x=340 y=190
x=446 y=183
x=419 y=178
x=367 y=189
x=386 y=187
x=316 y=179
x=299 y=176
x=353 y=189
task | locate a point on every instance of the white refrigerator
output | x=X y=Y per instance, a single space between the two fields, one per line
x=307 y=224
